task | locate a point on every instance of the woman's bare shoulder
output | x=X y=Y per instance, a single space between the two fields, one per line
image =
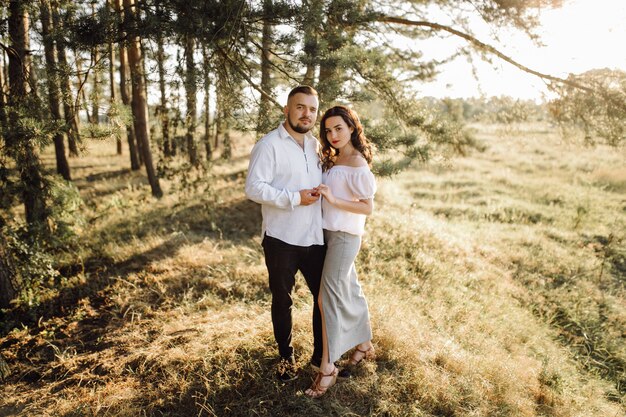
x=356 y=161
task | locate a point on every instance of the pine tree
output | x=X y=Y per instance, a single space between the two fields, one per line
x=70 y=112
x=54 y=102
x=139 y=101
x=125 y=94
x=20 y=139
x=191 y=105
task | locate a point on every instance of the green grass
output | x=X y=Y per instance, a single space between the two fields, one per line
x=495 y=284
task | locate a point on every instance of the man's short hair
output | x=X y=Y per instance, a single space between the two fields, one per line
x=304 y=89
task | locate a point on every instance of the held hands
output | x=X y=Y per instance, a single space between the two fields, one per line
x=325 y=190
x=308 y=197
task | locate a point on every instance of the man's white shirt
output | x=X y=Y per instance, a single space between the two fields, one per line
x=279 y=168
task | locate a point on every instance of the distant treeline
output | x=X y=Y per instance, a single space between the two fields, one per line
x=501 y=109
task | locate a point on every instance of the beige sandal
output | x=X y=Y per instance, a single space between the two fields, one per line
x=369 y=354
x=317 y=389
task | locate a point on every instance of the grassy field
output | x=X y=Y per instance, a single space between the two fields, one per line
x=496 y=285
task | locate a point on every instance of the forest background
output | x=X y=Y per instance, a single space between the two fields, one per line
x=131 y=276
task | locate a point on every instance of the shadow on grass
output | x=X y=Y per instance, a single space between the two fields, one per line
x=254 y=387
x=253 y=390
x=235 y=222
x=108 y=175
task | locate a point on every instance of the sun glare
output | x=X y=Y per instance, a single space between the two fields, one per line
x=579 y=36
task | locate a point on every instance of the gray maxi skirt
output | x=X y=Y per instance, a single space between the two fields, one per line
x=344 y=307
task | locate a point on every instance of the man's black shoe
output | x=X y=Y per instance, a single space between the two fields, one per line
x=286 y=370
x=344 y=373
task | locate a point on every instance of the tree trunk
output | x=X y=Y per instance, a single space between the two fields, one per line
x=113 y=101
x=18 y=63
x=264 y=120
x=9 y=283
x=312 y=27
x=63 y=167
x=190 y=90
x=163 y=111
x=20 y=146
x=5 y=371
x=6 y=67
x=309 y=75
x=135 y=163
x=331 y=75
x=3 y=113
x=146 y=80
x=207 y=104
x=8 y=289
x=139 y=103
x=225 y=104
x=95 y=91
x=227 y=153
x=220 y=105
x=69 y=110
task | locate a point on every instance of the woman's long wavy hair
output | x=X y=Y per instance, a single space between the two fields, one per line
x=359 y=141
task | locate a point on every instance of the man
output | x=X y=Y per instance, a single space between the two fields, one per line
x=284 y=169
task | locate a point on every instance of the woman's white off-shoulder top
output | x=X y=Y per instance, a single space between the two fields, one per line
x=352 y=184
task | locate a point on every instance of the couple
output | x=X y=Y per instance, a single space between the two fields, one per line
x=288 y=174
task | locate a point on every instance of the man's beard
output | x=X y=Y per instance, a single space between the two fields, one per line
x=298 y=128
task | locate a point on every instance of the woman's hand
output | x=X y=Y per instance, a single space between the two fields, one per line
x=325 y=191
x=356 y=206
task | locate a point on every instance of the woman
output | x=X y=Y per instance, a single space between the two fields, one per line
x=348 y=189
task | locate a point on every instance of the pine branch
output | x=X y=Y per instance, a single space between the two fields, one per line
x=246 y=77
x=482 y=46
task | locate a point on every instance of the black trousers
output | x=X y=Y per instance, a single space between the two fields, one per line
x=283 y=261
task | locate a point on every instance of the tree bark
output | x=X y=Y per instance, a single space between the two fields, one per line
x=219 y=112
x=9 y=283
x=264 y=119
x=95 y=91
x=207 y=104
x=20 y=147
x=5 y=371
x=19 y=69
x=227 y=152
x=3 y=113
x=5 y=69
x=63 y=167
x=163 y=111
x=312 y=28
x=70 y=112
x=113 y=98
x=223 y=98
x=191 y=90
x=135 y=162
x=146 y=80
x=139 y=102
x=335 y=36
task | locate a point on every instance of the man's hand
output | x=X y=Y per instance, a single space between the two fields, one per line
x=308 y=197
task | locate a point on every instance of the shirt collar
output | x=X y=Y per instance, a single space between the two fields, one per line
x=284 y=134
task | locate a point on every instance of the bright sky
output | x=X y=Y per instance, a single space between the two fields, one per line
x=582 y=35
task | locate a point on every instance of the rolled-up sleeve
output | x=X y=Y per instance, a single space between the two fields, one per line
x=261 y=177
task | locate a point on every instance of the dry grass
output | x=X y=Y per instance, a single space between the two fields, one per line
x=495 y=284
